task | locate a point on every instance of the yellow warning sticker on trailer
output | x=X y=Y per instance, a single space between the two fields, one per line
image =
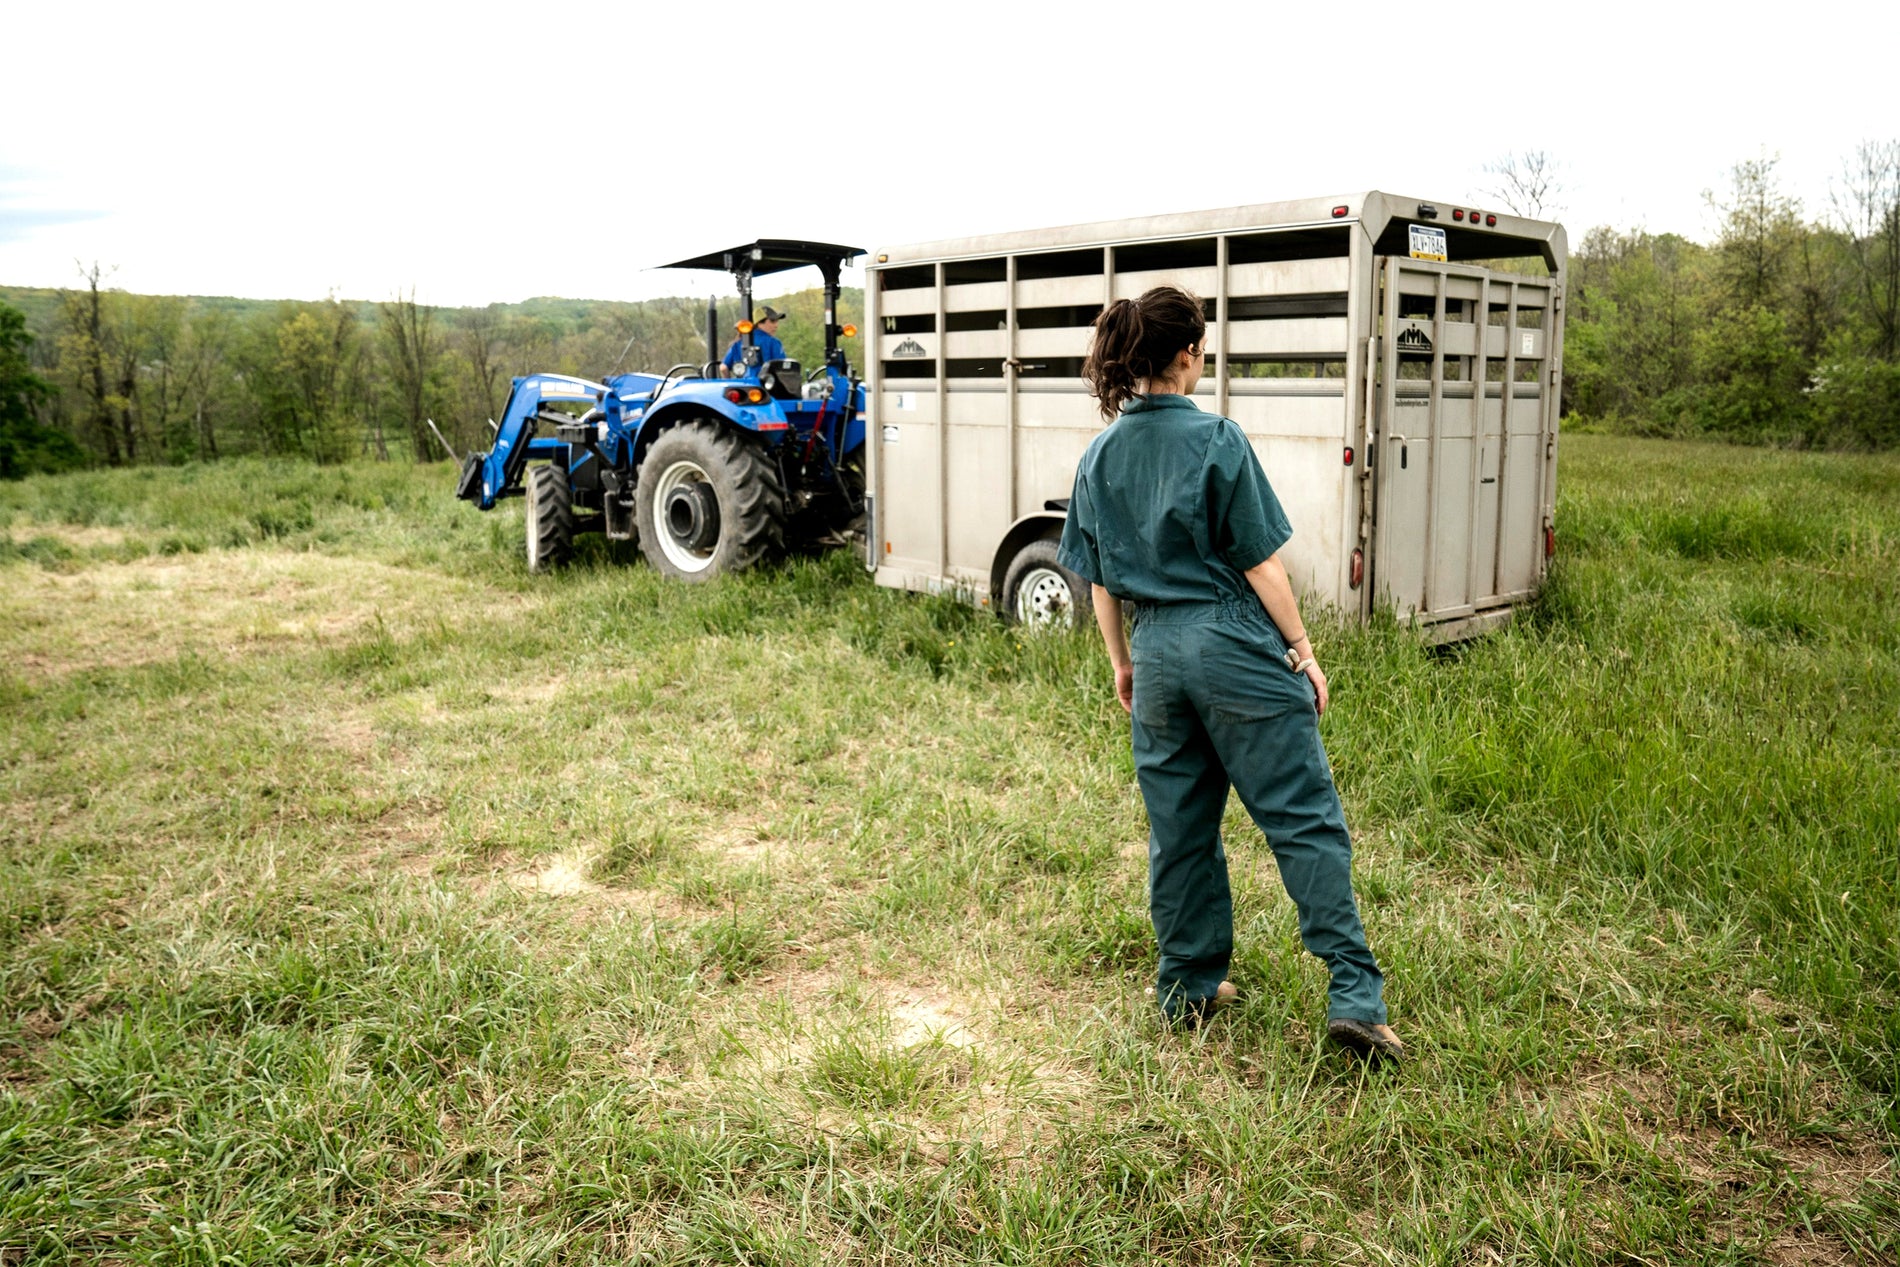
x=1428 y=242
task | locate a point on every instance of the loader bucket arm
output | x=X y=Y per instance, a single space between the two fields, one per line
x=501 y=467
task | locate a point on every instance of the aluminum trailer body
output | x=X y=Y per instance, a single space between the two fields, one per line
x=1405 y=407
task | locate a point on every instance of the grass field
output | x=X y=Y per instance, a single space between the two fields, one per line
x=367 y=900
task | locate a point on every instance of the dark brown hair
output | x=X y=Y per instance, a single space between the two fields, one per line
x=1137 y=339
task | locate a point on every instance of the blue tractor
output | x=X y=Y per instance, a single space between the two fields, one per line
x=711 y=469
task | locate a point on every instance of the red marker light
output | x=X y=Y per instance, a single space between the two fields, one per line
x=1358 y=568
x=1550 y=543
x=734 y=395
x=1490 y=219
x=1349 y=455
x=1338 y=212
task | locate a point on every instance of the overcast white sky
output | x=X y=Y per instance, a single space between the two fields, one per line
x=484 y=153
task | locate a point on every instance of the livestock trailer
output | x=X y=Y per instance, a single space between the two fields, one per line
x=1395 y=362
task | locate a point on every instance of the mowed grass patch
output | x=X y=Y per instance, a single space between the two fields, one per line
x=366 y=899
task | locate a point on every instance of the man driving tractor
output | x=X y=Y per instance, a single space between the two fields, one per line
x=764 y=337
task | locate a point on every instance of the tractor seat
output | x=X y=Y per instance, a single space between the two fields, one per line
x=785 y=380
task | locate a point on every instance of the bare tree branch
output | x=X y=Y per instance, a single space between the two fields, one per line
x=1527 y=183
x=1866 y=209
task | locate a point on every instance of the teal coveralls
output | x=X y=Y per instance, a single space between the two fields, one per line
x=1170 y=508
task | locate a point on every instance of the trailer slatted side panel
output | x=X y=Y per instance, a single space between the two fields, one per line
x=1416 y=435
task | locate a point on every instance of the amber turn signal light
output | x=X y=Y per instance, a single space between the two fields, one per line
x=850 y=332
x=745 y=327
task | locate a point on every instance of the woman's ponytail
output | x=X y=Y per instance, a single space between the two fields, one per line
x=1135 y=339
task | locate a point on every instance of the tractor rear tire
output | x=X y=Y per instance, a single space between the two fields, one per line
x=1040 y=593
x=550 y=518
x=709 y=501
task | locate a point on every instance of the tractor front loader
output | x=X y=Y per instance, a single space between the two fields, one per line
x=709 y=473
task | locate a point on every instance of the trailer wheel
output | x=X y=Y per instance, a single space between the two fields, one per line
x=1040 y=592
x=550 y=518
x=708 y=502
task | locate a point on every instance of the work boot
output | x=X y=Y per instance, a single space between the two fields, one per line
x=1197 y=1013
x=1377 y=1044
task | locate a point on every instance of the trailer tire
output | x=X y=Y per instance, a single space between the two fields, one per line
x=1039 y=592
x=550 y=518
x=708 y=501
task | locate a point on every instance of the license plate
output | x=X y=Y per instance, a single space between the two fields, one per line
x=1428 y=242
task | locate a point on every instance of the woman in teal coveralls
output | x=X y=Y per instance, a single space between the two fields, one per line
x=1172 y=513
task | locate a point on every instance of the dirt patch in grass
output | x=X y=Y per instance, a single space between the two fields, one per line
x=222 y=603
x=1746 y=1173
x=845 y=1047
x=1837 y=1169
x=72 y=536
x=930 y=1015
x=352 y=734
x=740 y=842
x=1806 y=1249
x=564 y=878
x=403 y=841
x=527 y=690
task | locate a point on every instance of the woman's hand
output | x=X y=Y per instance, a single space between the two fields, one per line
x=1318 y=678
x=1275 y=591
x=1125 y=686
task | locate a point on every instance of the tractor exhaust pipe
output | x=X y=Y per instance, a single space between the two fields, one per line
x=712 y=330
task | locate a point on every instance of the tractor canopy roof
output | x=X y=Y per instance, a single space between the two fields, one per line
x=771 y=255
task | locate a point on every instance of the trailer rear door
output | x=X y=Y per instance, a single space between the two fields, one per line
x=1464 y=426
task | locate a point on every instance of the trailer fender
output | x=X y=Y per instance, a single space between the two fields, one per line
x=1033 y=527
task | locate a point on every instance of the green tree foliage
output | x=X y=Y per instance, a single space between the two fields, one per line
x=144 y=378
x=27 y=446
x=1855 y=402
x=1753 y=376
x=1630 y=348
x=803 y=330
x=1779 y=332
x=300 y=383
x=412 y=351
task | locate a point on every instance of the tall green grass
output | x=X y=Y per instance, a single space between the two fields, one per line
x=596 y=918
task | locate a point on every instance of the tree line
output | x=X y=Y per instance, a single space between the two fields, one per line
x=93 y=375
x=1785 y=329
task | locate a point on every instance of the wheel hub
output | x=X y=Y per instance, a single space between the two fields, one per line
x=692 y=515
x=1043 y=598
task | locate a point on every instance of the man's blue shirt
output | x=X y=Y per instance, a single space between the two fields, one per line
x=770 y=349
